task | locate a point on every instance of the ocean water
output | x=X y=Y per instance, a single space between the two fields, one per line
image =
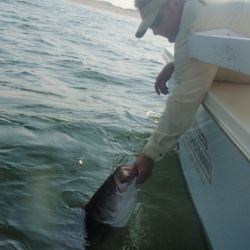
x=75 y=84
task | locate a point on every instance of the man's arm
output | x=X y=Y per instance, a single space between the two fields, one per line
x=192 y=81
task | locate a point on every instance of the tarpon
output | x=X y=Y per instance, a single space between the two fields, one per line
x=112 y=204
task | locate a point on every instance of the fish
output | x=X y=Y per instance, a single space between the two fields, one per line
x=112 y=204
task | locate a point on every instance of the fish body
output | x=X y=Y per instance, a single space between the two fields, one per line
x=112 y=204
x=115 y=200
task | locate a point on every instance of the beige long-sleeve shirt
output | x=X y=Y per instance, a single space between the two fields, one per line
x=192 y=78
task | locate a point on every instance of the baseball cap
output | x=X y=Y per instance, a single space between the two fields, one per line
x=149 y=13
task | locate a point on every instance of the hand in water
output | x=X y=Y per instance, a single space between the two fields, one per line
x=143 y=166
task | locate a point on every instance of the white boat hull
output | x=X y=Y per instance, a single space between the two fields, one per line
x=218 y=178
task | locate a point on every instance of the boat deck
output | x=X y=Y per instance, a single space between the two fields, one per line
x=228 y=100
x=229 y=104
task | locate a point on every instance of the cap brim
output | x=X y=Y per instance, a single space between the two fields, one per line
x=145 y=24
x=140 y=34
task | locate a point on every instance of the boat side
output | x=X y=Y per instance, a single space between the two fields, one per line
x=215 y=151
x=218 y=178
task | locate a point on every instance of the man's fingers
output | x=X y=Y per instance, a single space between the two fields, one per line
x=157 y=88
x=158 y=85
x=140 y=179
x=143 y=176
x=161 y=87
x=164 y=89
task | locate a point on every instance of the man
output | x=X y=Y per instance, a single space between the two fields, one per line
x=176 y=20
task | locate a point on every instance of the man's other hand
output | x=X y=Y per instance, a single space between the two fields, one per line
x=162 y=78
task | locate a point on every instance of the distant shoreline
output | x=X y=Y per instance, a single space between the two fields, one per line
x=108 y=7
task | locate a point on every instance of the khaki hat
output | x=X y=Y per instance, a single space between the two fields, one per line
x=149 y=13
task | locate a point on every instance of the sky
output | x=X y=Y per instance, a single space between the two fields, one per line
x=127 y=4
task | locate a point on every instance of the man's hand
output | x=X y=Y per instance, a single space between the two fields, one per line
x=143 y=165
x=162 y=78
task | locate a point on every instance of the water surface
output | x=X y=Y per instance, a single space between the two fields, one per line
x=76 y=85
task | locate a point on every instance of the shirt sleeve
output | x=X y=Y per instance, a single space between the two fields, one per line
x=190 y=83
x=192 y=80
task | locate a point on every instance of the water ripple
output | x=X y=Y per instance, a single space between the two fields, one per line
x=74 y=84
